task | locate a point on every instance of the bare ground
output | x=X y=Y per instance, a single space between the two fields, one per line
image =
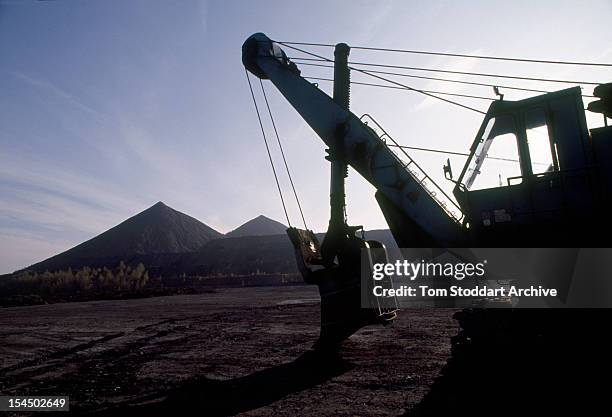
x=244 y=350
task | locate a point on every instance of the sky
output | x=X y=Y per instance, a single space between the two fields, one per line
x=108 y=107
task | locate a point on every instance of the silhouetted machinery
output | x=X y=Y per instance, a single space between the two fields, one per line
x=557 y=193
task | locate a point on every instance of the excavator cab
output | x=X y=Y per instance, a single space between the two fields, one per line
x=530 y=169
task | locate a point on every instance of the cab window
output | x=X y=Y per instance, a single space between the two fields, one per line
x=496 y=157
x=540 y=150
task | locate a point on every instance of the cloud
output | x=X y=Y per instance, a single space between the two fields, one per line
x=52 y=212
x=48 y=87
x=51 y=209
x=19 y=249
x=453 y=64
x=377 y=20
x=204 y=14
x=59 y=180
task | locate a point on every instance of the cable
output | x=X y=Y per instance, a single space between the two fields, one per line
x=329 y=45
x=391 y=81
x=283 y=154
x=459 y=153
x=402 y=88
x=420 y=91
x=499 y=58
x=399 y=74
x=478 y=74
x=280 y=192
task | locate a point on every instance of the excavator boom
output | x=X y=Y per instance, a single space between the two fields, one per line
x=407 y=204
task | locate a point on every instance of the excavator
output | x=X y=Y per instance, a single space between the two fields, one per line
x=563 y=202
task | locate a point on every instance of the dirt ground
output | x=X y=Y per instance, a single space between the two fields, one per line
x=244 y=350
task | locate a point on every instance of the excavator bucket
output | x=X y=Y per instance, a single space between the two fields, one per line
x=339 y=287
x=307 y=252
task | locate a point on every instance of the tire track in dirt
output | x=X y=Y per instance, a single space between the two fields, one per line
x=31 y=368
x=61 y=353
x=112 y=374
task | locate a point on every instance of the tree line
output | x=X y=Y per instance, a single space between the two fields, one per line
x=84 y=280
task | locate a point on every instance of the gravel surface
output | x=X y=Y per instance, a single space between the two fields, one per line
x=243 y=350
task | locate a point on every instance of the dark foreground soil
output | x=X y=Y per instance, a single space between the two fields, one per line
x=243 y=350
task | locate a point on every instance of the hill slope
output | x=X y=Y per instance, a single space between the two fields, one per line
x=259 y=226
x=156 y=230
x=254 y=255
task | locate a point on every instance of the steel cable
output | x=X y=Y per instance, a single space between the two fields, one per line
x=280 y=192
x=283 y=154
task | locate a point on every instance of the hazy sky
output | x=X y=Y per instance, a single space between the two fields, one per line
x=107 y=107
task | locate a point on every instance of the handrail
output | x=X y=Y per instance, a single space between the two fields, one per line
x=432 y=193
